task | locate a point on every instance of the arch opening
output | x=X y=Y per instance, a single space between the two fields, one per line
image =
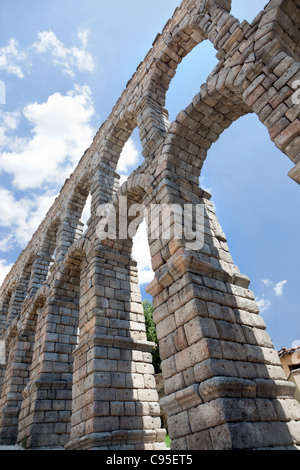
x=47 y=255
x=130 y=156
x=19 y=364
x=76 y=216
x=86 y=213
x=116 y=137
x=247 y=11
x=6 y=300
x=190 y=74
x=245 y=173
x=52 y=350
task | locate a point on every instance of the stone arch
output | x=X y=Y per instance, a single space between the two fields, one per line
x=19 y=367
x=18 y=358
x=23 y=289
x=119 y=131
x=5 y=303
x=51 y=352
x=9 y=338
x=105 y=181
x=281 y=21
x=206 y=23
x=106 y=158
x=77 y=199
x=152 y=104
x=119 y=220
x=194 y=291
x=29 y=339
x=190 y=136
x=175 y=271
x=270 y=76
x=46 y=255
x=182 y=40
x=71 y=227
x=112 y=325
x=273 y=96
x=127 y=209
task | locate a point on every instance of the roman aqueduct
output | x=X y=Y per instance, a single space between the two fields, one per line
x=78 y=372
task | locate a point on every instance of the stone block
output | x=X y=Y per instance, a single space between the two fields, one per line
x=190 y=310
x=199 y=328
x=117 y=409
x=166 y=327
x=179 y=425
x=167 y=347
x=180 y=340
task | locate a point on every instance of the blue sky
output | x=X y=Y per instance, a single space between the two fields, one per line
x=64 y=65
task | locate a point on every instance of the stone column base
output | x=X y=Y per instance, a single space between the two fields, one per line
x=121 y=440
x=9 y=418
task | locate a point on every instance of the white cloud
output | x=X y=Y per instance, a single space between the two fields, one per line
x=267 y=282
x=203 y=185
x=145 y=276
x=38 y=210
x=11 y=210
x=83 y=59
x=61 y=132
x=12 y=60
x=4 y=269
x=22 y=217
x=128 y=160
x=86 y=213
x=67 y=58
x=141 y=254
x=263 y=304
x=278 y=288
x=9 y=122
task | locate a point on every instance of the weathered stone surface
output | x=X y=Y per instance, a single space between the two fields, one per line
x=77 y=370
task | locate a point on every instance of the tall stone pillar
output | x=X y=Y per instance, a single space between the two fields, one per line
x=44 y=419
x=11 y=393
x=224 y=384
x=115 y=402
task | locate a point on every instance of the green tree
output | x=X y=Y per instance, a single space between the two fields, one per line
x=152 y=335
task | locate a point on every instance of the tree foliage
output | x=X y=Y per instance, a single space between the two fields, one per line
x=151 y=334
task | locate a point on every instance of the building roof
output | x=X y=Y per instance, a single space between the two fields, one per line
x=285 y=351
